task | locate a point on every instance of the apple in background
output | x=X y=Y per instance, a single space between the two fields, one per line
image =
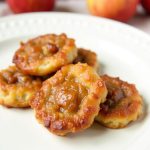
x=20 y=6
x=146 y=5
x=121 y=10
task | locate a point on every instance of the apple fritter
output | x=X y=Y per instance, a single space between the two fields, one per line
x=45 y=54
x=17 y=89
x=87 y=56
x=123 y=103
x=69 y=100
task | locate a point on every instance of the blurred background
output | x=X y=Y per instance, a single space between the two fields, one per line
x=132 y=12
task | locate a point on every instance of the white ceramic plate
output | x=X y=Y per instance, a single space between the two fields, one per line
x=122 y=50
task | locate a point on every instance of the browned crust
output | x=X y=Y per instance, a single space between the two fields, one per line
x=16 y=89
x=45 y=54
x=61 y=123
x=123 y=103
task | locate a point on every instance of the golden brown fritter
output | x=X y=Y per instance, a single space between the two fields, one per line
x=69 y=101
x=16 y=89
x=123 y=104
x=45 y=54
x=87 y=56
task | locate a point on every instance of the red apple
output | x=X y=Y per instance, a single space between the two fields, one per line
x=121 y=10
x=20 y=6
x=146 y=5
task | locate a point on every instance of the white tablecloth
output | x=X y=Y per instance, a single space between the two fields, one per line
x=140 y=21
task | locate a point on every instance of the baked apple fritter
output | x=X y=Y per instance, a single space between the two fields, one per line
x=69 y=100
x=16 y=89
x=123 y=103
x=87 y=56
x=45 y=54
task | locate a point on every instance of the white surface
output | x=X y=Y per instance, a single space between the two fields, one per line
x=140 y=21
x=123 y=51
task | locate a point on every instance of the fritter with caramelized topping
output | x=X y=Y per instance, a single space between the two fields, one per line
x=87 y=56
x=17 y=89
x=69 y=101
x=45 y=54
x=123 y=104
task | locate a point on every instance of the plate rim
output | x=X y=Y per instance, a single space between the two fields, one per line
x=5 y=19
